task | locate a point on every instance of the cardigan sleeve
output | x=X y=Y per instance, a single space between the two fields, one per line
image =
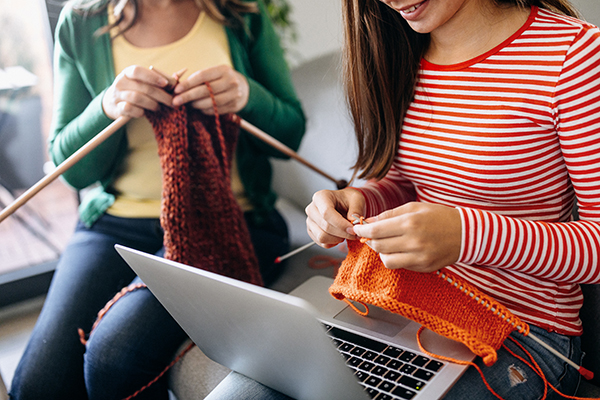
x=557 y=251
x=273 y=105
x=82 y=72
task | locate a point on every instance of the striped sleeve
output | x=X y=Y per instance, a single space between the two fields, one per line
x=561 y=252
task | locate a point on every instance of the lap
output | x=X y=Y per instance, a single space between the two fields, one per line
x=509 y=377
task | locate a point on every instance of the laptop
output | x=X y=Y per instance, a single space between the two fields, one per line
x=305 y=344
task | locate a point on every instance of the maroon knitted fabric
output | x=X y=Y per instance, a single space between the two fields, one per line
x=203 y=225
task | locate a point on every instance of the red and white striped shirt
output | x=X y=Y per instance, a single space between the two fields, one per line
x=510 y=139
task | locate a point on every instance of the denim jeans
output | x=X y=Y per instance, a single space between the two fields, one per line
x=135 y=340
x=508 y=377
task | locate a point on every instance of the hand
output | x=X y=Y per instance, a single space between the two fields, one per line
x=230 y=88
x=135 y=90
x=420 y=237
x=329 y=214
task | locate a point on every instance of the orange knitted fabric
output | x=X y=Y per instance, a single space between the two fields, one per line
x=435 y=300
x=203 y=225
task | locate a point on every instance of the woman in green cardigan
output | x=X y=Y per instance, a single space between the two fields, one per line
x=103 y=49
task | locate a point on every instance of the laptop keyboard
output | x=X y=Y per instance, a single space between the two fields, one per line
x=386 y=372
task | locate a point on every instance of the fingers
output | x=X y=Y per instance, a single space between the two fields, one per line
x=417 y=236
x=327 y=216
x=135 y=90
x=230 y=88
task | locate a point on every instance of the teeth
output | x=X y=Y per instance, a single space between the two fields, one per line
x=412 y=9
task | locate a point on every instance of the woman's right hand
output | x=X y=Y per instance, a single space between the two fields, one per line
x=329 y=215
x=135 y=90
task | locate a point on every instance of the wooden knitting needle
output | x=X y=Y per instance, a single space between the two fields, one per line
x=340 y=184
x=78 y=155
x=64 y=166
x=270 y=140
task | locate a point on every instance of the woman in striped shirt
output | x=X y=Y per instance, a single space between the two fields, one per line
x=478 y=128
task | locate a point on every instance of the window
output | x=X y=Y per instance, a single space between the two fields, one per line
x=33 y=237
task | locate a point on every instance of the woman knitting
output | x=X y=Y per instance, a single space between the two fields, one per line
x=478 y=128
x=228 y=60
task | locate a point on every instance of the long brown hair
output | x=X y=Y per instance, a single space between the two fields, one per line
x=223 y=11
x=382 y=55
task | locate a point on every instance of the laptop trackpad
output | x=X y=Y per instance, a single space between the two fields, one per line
x=378 y=320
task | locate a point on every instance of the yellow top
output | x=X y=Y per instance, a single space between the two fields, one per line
x=139 y=186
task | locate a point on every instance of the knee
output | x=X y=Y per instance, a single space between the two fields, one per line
x=106 y=363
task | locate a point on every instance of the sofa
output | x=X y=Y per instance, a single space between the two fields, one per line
x=329 y=145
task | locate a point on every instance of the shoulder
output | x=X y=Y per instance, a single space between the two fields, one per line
x=78 y=21
x=562 y=26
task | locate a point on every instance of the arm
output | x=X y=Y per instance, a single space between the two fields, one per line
x=78 y=115
x=273 y=105
x=567 y=251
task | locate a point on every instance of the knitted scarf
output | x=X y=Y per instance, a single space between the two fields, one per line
x=203 y=225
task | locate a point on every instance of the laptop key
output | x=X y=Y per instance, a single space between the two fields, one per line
x=370 y=355
x=392 y=351
x=354 y=362
x=372 y=381
x=383 y=360
x=379 y=370
x=345 y=347
x=392 y=375
x=423 y=374
x=395 y=364
x=408 y=369
x=358 y=340
x=434 y=366
x=387 y=386
x=372 y=392
x=384 y=396
x=366 y=366
x=404 y=393
x=361 y=375
x=411 y=383
x=420 y=361
x=357 y=351
x=407 y=356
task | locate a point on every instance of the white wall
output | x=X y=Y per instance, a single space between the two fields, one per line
x=319 y=26
x=590 y=9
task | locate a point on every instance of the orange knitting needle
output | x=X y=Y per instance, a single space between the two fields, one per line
x=75 y=157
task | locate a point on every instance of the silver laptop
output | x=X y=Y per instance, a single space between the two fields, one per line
x=307 y=344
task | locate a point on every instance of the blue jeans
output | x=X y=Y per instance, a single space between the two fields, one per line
x=136 y=339
x=508 y=377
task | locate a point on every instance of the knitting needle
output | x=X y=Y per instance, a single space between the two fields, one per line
x=340 y=184
x=172 y=80
x=64 y=166
x=293 y=252
x=587 y=374
x=357 y=220
x=78 y=155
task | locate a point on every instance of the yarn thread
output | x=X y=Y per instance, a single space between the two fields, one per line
x=203 y=225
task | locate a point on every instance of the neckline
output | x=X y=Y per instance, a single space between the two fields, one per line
x=186 y=37
x=453 y=67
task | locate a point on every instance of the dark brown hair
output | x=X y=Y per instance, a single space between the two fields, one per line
x=381 y=61
x=220 y=10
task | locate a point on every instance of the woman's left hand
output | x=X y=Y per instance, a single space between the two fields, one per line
x=421 y=237
x=230 y=88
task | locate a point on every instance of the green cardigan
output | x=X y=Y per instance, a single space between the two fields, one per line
x=84 y=69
